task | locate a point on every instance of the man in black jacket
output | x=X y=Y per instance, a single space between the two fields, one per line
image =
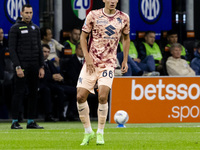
x=26 y=54
x=50 y=85
x=71 y=71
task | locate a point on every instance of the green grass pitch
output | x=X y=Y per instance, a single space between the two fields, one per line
x=68 y=135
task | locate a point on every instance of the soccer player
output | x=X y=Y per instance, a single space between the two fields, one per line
x=104 y=28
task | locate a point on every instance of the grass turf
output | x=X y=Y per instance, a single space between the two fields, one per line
x=68 y=135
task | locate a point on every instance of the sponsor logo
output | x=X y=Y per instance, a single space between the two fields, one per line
x=150 y=10
x=102 y=22
x=81 y=109
x=165 y=92
x=110 y=30
x=12 y=9
x=170 y=92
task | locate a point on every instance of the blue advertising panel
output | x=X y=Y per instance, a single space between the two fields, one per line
x=10 y=10
x=145 y=15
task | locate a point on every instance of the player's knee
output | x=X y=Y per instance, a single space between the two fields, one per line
x=81 y=98
x=103 y=99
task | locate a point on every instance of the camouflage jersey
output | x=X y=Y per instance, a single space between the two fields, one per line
x=105 y=31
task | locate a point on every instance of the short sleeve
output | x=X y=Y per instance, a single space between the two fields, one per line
x=126 y=28
x=88 y=24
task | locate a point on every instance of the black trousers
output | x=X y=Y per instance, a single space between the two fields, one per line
x=51 y=89
x=27 y=85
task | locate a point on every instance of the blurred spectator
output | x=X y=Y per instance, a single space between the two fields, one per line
x=2 y=55
x=150 y=47
x=176 y=66
x=134 y=69
x=72 y=70
x=6 y=76
x=3 y=46
x=136 y=66
x=46 y=37
x=49 y=86
x=74 y=38
x=172 y=38
x=195 y=63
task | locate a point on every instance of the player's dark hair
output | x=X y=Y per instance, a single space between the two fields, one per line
x=171 y=32
x=46 y=46
x=26 y=5
x=148 y=32
x=43 y=32
x=75 y=28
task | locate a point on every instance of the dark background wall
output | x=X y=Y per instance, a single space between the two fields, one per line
x=197 y=18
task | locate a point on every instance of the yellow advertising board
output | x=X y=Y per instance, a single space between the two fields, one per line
x=156 y=99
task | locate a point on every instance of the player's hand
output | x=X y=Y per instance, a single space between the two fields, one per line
x=57 y=77
x=20 y=73
x=89 y=65
x=137 y=60
x=124 y=67
x=57 y=59
x=41 y=73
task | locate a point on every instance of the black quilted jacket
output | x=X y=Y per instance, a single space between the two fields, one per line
x=25 y=44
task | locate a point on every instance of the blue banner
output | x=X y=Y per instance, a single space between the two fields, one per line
x=154 y=15
x=10 y=10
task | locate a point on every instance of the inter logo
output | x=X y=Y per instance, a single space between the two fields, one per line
x=110 y=29
x=12 y=9
x=150 y=10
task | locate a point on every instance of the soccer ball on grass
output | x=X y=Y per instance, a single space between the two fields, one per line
x=121 y=117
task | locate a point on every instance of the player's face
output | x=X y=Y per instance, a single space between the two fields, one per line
x=75 y=35
x=46 y=52
x=150 y=38
x=176 y=52
x=110 y=4
x=27 y=14
x=48 y=37
x=173 y=39
x=79 y=51
x=1 y=34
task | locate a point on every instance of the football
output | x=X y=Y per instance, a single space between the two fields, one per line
x=121 y=117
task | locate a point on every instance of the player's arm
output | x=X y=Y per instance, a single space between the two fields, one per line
x=126 y=44
x=88 y=59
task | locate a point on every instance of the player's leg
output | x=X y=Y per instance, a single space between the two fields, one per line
x=102 y=112
x=85 y=86
x=104 y=83
x=83 y=110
